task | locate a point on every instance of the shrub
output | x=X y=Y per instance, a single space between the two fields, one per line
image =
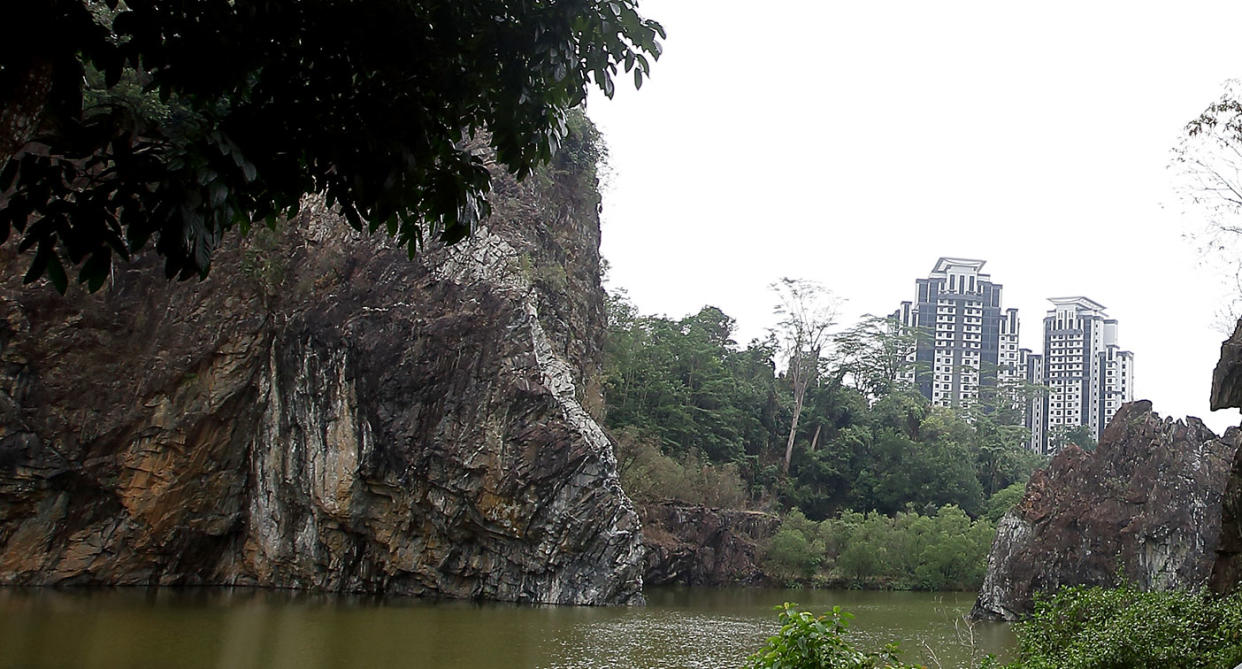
x=1004 y=500
x=806 y=641
x=647 y=474
x=1097 y=628
x=789 y=554
x=910 y=551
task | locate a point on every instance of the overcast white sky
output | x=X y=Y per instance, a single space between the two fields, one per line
x=855 y=143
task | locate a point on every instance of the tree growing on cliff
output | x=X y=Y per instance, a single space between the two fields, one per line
x=174 y=121
x=806 y=311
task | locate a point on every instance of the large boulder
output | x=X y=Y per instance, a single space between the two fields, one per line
x=322 y=412
x=1144 y=507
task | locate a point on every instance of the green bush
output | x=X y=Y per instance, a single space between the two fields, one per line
x=649 y=475
x=1004 y=500
x=1104 y=628
x=908 y=551
x=806 y=641
x=789 y=555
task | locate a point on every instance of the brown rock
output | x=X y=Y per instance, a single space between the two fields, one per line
x=696 y=545
x=1227 y=377
x=1227 y=393
x=1146 y=507
x=322 y=412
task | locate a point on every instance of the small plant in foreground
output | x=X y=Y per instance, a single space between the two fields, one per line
x=807 y=641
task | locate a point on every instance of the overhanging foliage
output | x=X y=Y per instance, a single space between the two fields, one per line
x=174 y=121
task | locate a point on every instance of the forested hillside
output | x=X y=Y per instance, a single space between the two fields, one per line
x=685 y=387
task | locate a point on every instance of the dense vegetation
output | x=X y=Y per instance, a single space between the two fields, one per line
x=1090 y=628
x=685 y=386
x=907 y=551
x=1075 y=628
x=169 y=123
x=883 y=489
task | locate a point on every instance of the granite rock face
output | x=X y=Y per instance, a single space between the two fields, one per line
x=1145 y=505
x=324 y=413
x=696 y=545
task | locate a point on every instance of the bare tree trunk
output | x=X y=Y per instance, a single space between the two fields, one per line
x=807 y=312
x=793 y=430
x=815 y=439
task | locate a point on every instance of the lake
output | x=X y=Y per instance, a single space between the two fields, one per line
x=239 y=628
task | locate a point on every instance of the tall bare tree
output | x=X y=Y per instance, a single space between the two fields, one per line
x=807 y=311
x=1207 y=169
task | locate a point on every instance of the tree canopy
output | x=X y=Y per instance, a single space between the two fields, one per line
x=685 y=387
x=1207 y=170
x=172 y=121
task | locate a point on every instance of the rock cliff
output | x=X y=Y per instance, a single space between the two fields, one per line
x=1227 y=393
x=696 y=545
x=1146 y=505
x=1227 y=377
x=324 y=413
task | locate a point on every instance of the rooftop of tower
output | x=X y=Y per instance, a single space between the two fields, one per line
x=1077 y=301
x=944 y=263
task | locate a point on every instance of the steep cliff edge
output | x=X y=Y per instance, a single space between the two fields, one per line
x=1146 y=505
x=1227 y=393
x=324 y=413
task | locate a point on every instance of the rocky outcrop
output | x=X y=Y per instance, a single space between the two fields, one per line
x=323 y=412
x=1227 y=377
x=1145 y=507
x=697 y=545
x=1227 y=393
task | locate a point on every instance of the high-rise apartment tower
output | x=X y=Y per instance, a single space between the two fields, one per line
x=969 y=343
x=1087 y=374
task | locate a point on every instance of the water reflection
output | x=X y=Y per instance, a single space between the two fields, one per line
x=240 y=628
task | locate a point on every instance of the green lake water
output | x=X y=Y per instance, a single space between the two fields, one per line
x=237 y=629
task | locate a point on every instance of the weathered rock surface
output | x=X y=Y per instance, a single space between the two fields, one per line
x=1146 y=505
x=1227 y=393
x=324 y=413
x=696 y=545
x=1227 y=377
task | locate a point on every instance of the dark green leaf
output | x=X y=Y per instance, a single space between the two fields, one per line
x=39 y=264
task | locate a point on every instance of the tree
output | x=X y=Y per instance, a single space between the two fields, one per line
x=807 y=311
x=1008 y=400
x=1003 y=500
x=1081 y=436
x=685 y=382
x=878 y=354
x=1002 y=457
x=1207 y=165
x=822 y=475
x=177 y=120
